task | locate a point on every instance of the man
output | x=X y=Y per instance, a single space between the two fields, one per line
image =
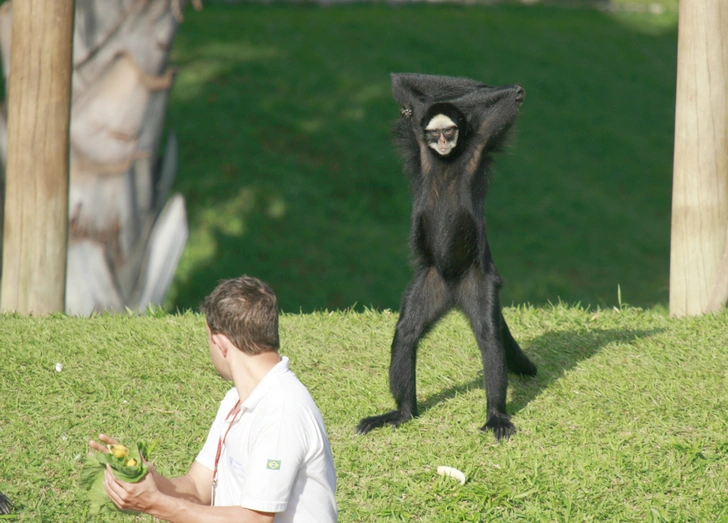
x=267 y=456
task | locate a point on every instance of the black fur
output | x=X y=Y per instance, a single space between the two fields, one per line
x=6 y=506
x=453 y=264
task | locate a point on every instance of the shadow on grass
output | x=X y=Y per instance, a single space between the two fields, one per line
x=554 y=353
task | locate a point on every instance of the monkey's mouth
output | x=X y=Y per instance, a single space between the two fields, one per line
x=444 y=150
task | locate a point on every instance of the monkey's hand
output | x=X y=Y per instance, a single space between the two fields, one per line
x=5 y=504
x=520 y=94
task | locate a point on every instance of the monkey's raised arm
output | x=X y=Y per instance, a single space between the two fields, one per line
x=437 y=86
x=490 y=111
x=417 y=91
x=481 y=116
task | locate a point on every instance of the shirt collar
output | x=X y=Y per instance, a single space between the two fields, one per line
x=268 y=381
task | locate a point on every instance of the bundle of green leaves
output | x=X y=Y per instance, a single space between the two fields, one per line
x=126 y=464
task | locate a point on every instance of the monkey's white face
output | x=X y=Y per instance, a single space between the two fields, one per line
x=441 y=134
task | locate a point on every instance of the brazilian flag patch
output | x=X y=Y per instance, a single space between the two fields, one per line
x=273 y=464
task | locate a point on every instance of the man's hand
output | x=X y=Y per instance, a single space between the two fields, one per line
x=135 y=497
x=101 y=447
x=108 y=440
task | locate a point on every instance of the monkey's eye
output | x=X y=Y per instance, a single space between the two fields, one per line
x=449 y=132
x=433 y=135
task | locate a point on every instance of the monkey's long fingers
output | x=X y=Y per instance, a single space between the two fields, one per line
x=5 y=504
x=394 y=418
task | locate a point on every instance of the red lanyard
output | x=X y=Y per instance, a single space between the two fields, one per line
x=221 y=443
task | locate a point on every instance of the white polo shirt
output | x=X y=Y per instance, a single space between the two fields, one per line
x=276 y=456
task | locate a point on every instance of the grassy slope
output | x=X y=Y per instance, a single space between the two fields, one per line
x=284 y=117
x=625 y=422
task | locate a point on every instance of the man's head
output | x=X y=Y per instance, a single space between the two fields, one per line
x=245 y=310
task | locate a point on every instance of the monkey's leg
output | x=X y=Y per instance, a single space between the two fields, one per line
x=425 y=301
x=516 y=361
x=478 y=297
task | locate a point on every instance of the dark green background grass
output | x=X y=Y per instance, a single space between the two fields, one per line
x=284 y=116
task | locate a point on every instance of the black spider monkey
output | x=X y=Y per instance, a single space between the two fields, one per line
x=448 y=130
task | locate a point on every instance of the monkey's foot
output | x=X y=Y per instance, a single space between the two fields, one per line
x=501 y=426
x=521 y=366
x=394 y=418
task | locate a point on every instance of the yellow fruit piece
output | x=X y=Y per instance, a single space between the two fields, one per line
x=131 y=463
x=118 y=450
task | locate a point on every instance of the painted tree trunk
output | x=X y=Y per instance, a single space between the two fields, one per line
x=125 y=233
x=698 y=255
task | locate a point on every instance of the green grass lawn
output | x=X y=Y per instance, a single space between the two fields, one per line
x=627 y=420
x=284 y=116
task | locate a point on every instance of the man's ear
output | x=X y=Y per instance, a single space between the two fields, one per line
x=221 y=341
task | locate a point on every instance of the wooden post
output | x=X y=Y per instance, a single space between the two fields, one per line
x=36 y=207
x=700 y=176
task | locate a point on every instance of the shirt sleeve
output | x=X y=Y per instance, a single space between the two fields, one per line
x=277 y=452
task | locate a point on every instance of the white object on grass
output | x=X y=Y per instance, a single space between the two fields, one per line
x=453 y=473
x=59 y=367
